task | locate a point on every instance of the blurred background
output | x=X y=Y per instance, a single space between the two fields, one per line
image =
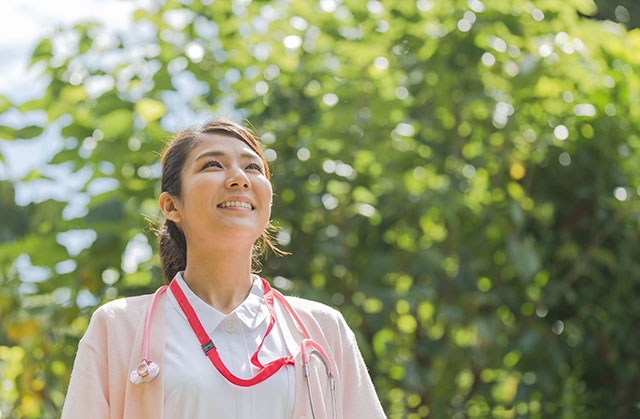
x=460 y=178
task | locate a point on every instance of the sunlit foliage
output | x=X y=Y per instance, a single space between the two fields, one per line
x=459 y=178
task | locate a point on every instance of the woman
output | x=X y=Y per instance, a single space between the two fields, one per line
x=216 y=198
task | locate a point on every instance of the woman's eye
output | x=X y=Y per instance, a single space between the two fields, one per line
x=210 y=163
x=255 y=166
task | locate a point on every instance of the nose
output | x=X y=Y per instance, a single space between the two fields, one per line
x=237 y=177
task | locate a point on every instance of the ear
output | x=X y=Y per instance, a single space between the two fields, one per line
x=169 y=207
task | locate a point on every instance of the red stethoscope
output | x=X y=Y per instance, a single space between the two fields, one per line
x=147 y=370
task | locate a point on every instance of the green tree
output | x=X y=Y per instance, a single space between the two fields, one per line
x=624 y=11
x=458 y=178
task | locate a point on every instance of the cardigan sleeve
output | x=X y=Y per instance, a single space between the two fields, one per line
x=88 y=392
x=359 y=398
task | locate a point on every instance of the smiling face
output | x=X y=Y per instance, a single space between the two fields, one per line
x=225 y=196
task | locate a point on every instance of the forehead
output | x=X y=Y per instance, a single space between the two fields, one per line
x=224 y=144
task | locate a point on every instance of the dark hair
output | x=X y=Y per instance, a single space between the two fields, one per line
x=172 y=243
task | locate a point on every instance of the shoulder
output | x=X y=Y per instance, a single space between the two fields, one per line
x=326 y=319
x=121 y=316
x=124 y=306
x=314 y=309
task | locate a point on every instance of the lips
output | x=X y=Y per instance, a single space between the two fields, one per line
x=240 y=202
x=236 y=204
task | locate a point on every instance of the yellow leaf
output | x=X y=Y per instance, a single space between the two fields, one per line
x=21 y=330
x=30 y=405
x=517 y=171
x=73 y=94
x=150 y=109
x=407 y=323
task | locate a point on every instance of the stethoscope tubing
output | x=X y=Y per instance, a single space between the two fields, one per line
x=147 y=322
x=316 y=350
x=147 y=370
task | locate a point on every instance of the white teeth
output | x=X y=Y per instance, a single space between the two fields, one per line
x=235 y=204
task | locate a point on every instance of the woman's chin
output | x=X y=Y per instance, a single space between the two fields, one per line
x=235 y=235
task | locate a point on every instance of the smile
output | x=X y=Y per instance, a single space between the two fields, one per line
x=236 y=204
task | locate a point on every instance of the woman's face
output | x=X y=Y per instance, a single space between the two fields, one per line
x=226 y=197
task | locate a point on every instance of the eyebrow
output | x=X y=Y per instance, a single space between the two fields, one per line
x=213 y=153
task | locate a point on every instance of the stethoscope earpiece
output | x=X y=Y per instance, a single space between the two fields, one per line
x=145 y=372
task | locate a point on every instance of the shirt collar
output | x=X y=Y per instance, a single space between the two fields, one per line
x=251 y=312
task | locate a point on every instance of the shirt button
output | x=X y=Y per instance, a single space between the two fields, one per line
x=231 y=325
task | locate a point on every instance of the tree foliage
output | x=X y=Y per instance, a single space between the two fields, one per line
x=458 y=178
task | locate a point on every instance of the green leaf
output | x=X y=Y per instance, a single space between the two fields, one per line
x=8 y=133
x=43 y=51
x=4 y=104
x=524 y=257
x=34 y=174
x=28 y=132
x=77 y=131
x=105 y=212
x=116 y=123
x=150 y=109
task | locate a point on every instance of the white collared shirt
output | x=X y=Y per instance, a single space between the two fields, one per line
x=193 y=387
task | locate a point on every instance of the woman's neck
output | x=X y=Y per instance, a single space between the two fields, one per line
x=220 y=278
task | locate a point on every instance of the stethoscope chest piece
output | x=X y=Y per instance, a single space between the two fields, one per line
x=145 y=372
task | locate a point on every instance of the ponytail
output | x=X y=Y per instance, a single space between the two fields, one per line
x=172 y=247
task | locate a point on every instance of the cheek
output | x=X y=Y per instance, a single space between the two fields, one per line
x=265 y=189
x=266 y=196
x=199 y=193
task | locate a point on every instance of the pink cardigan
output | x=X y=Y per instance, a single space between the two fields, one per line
x=112 y=346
